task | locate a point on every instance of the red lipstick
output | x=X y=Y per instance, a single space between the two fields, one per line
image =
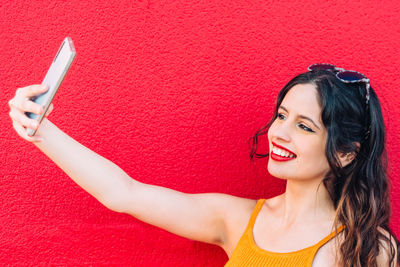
x=278 y=157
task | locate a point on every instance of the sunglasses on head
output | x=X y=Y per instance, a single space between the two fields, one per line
x=346 y=76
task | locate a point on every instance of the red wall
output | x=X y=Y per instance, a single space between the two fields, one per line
x=170 y=91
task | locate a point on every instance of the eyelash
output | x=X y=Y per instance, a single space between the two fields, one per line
x=302 y=126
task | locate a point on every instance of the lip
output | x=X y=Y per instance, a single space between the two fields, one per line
x=278 y=157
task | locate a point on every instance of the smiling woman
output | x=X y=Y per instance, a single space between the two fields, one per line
x=296 y=129
x=326 y=138
x=335 y=131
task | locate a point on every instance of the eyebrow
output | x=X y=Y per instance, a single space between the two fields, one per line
x=302 y=117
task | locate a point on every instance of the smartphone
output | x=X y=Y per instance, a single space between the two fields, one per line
x=55 y=75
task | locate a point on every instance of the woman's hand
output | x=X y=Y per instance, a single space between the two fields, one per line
x=20 y=104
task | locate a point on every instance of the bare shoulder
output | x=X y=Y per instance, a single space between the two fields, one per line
x=237 y=212
x=236 y=217
x=383 y=258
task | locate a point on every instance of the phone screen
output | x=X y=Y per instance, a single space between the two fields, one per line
x=53 y=78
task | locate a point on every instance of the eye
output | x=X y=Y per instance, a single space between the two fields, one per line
x=280 y=116
x=305 y=128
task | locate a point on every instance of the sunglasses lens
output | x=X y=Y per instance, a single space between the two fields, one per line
x=322 y=67
x=351 y=76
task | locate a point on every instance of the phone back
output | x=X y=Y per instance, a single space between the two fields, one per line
x=54 y=77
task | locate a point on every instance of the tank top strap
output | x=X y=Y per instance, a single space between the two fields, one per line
x=329 y=237
x=254 y=214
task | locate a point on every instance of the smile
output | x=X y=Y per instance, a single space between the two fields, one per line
x=280 y=153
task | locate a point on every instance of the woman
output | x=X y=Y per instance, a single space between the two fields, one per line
x=326 y=138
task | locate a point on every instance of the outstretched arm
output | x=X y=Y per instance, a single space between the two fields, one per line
x=201 y=217
x=95 y=174
x=195 y=216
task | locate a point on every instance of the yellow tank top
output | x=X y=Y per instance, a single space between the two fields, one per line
x=247 y=253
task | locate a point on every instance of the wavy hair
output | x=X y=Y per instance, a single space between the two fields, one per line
x=360 y=190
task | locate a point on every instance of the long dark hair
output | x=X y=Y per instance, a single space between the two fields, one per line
x=359 y=191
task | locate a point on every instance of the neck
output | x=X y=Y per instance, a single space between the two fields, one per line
x=306 y=202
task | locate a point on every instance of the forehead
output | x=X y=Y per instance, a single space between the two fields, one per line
x=302 y=99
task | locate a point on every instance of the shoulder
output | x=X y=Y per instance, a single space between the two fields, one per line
x=237 y=210
x=385 y=249
x=236 y=218
x=236 y=214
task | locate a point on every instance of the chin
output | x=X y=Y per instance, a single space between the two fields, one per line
x=290 y=173
x=279 y=172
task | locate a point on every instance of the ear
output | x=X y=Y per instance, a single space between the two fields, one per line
x=346 y=158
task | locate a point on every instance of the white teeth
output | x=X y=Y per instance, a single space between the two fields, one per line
x=282 y=153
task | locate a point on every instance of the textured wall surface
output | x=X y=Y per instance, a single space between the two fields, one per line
x=170 y=91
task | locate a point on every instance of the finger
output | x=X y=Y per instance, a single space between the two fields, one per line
x=27 y=105
x=31 y=90
x=14 y=103
x=21 y=131
x=11 y=103
x=23 y=120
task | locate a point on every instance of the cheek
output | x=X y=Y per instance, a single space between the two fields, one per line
x=269 y=141
x=269 y=135
x=270 y=131
x=314 y=154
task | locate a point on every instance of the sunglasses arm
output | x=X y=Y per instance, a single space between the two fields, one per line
x=368 y=86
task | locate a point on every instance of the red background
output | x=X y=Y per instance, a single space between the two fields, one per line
x=170 y=91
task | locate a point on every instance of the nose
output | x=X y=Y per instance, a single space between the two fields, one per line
x=281 y=131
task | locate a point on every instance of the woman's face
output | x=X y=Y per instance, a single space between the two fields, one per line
x=297 y=137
